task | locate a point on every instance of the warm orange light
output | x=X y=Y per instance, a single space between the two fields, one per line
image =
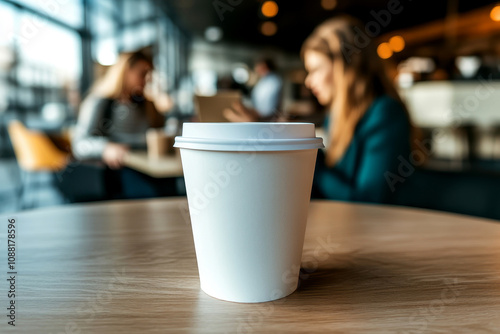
x=384 y=50
x=269 y=9
x=268 y=28
x=397 y=43
x=495 y=13
x=328 y=4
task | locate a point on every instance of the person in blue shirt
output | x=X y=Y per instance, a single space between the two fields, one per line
x=266 y=95
x=369 y=129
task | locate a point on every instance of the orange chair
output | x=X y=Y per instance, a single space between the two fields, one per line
x=34 y=153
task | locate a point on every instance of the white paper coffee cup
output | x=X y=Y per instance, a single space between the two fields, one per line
x=248 y=187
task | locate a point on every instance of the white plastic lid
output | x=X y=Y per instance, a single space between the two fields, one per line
x=248 y=137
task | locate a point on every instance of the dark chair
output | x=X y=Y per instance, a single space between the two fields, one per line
x=469 y=193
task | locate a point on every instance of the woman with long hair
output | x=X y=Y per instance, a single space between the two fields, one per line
x=115 y=115
x=368 y=125
x=113 y=119
x=369 y=128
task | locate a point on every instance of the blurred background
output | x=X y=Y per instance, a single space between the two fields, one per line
x=444 y=57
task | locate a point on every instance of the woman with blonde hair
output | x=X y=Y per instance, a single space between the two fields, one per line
x=115 y=115
x=369 y=127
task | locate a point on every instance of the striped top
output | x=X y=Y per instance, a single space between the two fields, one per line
x=104 y=120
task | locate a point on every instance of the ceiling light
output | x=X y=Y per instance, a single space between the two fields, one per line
x=328 y=4
x=495 y=13
x=213 y=34
x=268 y=28
x=384 y=50
x=468 y=66
x=397 y=43
x=269 y=9
x=241 y=74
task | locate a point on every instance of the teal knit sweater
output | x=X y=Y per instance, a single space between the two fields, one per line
x=381 y=136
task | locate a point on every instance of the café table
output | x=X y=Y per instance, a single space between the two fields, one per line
x=130 y=267
x=165 y=166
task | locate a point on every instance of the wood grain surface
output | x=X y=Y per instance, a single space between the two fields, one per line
x=130 y=267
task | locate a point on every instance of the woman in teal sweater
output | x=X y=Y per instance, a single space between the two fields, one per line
x=369 y=127
x=366 y=170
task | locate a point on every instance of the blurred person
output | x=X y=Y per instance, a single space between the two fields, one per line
x=115 y=115
x=368 y=125
x=265 y=95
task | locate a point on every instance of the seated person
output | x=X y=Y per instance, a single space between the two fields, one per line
x=115 y=115
x=266 y=95
x=368 y=125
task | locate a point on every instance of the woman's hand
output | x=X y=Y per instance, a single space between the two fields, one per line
x=163 y=102
x=154 y=93
x=114 y=155
x=240 y=113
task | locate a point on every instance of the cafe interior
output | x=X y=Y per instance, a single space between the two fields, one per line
x=443 y=58
x=249 y=166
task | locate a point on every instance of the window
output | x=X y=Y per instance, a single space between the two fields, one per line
x=52 y=48
x=7 y=27
x=132 y=12
x=139 y=36
x=41 y=55
x=70 y=12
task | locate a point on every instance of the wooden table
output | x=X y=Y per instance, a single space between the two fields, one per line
x=166 y=166
x=130 y=267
